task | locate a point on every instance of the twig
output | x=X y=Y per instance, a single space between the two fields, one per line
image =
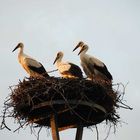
x=38 y=133
x=108 y=133
x=52 y=71
x=97 y=132
x=3 y=125
x=21 y=126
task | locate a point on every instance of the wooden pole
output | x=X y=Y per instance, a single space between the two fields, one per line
x=54 y=127
x=79 y=132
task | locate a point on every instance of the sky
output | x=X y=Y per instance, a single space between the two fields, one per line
x=111 y=28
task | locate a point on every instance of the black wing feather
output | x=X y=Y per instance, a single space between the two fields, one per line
x=40 y=70
x=75 y=70
x=104 y=70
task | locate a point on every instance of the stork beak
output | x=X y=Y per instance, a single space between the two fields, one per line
x=55 y=60
x=76 y=47
x=15 y=48
x=81 y=51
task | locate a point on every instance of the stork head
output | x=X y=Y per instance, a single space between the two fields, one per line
x=59 y=56
x=20 y=45
x=84 y=48
x=80 y=44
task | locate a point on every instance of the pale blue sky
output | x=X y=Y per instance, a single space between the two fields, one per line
x=111 y=28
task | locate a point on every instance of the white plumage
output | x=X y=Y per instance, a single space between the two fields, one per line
x=91 y=65
x=67 y=69
x=32 y=67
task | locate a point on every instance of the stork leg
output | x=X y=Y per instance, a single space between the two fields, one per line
x=79 y=132
x=54 y=127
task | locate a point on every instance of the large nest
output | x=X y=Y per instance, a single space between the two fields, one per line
x=74 y=101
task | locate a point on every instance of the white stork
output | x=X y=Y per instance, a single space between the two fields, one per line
x=67 y=69
x=32 y=67
x=91 y=65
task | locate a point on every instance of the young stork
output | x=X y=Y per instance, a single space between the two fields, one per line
x=91 y=65
x=67 y=69
x=32 y=67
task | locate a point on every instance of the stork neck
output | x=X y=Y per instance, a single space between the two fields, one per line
x=83 y=53
x=58 y=61
x=21 y=50
x=20 y=54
